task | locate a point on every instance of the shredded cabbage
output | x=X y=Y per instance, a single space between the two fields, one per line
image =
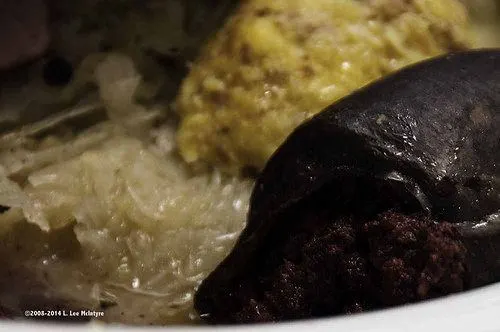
x=119 y=220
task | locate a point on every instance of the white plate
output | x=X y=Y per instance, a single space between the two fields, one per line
x=473 y=311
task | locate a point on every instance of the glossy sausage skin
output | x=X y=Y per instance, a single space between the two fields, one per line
x=432 y=129
x=437 y=122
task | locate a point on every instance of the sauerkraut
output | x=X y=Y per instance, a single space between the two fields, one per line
x=275 y=64
x=110 y=218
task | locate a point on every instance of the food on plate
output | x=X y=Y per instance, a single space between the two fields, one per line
x=276 y=64
x=98 y=208
x=389 y=196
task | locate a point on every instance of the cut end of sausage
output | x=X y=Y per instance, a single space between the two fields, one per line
x=326 y=268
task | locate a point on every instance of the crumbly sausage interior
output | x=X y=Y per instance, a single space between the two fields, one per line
x=324 y=264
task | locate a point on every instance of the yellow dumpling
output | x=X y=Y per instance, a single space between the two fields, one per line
x=276 y=63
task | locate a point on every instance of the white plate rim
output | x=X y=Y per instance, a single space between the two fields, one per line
x=472 y=311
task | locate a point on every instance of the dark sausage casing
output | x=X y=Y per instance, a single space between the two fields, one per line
x=430 y=132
